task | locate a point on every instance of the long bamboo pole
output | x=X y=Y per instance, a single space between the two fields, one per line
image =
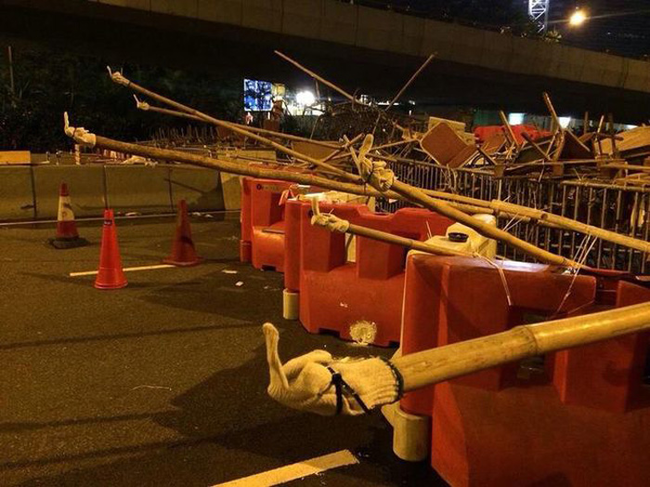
x=410 y=81
x=271 y=133
x=511 y=210
x=489 y=231
x=417 y=195
x=567 y=223
x=336 y=224
x=447 y=362
x=334 y=87
x=120 y=79
x=410 y=193
x=256 y=171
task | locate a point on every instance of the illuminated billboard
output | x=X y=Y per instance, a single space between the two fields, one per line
x=258 y=95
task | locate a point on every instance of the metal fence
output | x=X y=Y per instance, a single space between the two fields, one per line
x=620 y=209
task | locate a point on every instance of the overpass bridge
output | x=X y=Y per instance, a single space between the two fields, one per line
x=355 y=46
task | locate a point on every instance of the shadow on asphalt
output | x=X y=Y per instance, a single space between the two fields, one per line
x=210 y=417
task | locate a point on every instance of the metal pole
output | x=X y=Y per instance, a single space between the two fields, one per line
x=10 y=59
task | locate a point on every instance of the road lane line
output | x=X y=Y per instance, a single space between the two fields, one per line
x=295 y=471
x=126 y=269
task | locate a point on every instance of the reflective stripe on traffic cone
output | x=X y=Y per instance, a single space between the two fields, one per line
x=67 y=235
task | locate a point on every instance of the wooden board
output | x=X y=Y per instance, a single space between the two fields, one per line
x=442 y=143
x=15 y=157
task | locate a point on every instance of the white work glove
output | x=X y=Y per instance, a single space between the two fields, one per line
x=306 y=382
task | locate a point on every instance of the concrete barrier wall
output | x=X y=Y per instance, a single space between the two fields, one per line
x=85 y=183
x=32 y=192
x=16 y=193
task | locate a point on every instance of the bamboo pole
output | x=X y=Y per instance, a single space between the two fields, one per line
x=410 y=81
x=509 y=133
x=271 y=133
x=333 y=86
x=256 y=171
x=569 y=224
x=120 y=79
x=417 y=195
x=534 y=145
x=319 y=78
x=336 y=224
x=489 y=231
x=456 y=210
x=436 y=365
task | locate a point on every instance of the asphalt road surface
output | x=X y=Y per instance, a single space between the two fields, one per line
x=163 y=382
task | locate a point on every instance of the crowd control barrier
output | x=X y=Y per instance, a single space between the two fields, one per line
x=333 y=293
x=570 y=418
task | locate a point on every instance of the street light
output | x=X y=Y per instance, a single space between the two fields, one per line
x=305 y=98
x=577 y=18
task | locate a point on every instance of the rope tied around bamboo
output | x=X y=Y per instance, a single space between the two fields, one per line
x=330 y=221
x=375 y=173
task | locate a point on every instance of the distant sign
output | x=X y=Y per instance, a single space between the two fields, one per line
x=258 y=95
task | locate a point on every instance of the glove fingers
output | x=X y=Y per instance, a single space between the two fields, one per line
x=294 y=366
x=276 y=374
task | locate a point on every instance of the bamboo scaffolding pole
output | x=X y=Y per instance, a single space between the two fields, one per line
x=336 y=224
x=335 y=88
x=410 y=81
x=319 y=78
x=534 y=145
x=509 y=133
x=417 y=195
x=121 y=80
x=569 y=224
x=454 y=210
x=271 y=133
x=436 y=365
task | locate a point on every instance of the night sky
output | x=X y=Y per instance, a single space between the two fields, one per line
x=623 y=29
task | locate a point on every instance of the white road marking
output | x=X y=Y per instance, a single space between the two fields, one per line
x=295 y=471
x=126 y=269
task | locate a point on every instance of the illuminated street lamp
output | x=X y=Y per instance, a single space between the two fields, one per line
x=577 y=18
x=305 y=98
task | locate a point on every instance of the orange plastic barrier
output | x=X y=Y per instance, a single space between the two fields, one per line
x=484 y=132
x=335 y=293
x=262 y=223
x=570 y=418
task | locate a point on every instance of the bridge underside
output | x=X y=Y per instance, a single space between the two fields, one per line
x=122 y=35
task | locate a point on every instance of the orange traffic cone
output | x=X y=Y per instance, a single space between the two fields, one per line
x=183 y=251
x=110 y=274
x=67 y=236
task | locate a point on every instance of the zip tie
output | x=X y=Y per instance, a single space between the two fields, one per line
x=502 y=275
x=582 y=259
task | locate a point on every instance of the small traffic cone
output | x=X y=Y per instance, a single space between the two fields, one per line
x=183 y=251
x=67 y=236
x=110 y=274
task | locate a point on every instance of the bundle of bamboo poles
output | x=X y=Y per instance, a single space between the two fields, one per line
x=351 y=153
